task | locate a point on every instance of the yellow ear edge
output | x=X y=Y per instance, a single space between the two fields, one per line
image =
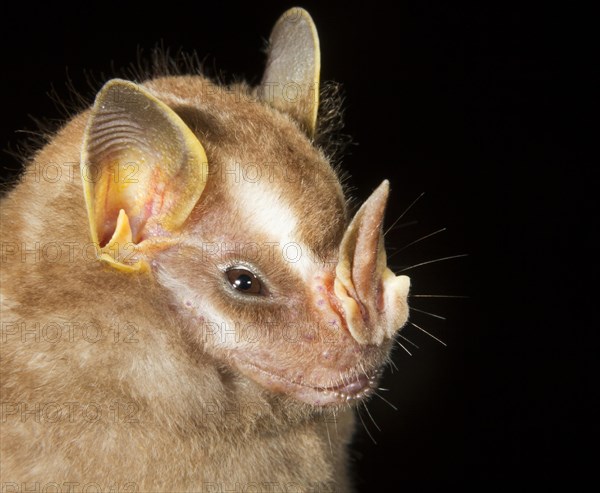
x=316 y=74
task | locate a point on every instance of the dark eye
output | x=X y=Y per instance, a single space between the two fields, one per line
x=244 y=281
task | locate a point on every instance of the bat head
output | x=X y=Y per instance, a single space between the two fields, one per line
x=220 y=195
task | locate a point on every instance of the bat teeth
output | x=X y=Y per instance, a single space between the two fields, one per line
x=354 y=397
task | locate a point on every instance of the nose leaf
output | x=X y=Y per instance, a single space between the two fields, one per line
x=373 y=299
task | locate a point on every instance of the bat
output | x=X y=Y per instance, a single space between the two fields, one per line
x=188 y=303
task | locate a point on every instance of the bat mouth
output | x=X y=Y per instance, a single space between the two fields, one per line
x=348 y=389
x=352 y=389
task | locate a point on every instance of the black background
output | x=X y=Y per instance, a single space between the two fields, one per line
x=476 y=108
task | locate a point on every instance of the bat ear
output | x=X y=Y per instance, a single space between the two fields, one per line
x=291 y=79
x=142 y=169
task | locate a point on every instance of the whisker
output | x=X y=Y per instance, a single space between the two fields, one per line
x=408 y=340
x=335 y=422
x=406 y=224
x=437 y=296
x=365 y=426
x=430 y=335
x=328 y=437
x=402 y=215
x=342 y=377
x=403 y=347
x=381 y=388
x=417 y=241
x=369 y=413
x=428 y=313
x=386 y=401
x=393 y=365
x=433 y=261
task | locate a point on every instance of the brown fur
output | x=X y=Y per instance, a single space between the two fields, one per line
x=118 y=378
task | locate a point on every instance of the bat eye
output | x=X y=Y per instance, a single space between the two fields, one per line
x=244 y=281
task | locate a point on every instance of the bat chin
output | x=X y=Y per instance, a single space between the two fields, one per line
x=346 y=390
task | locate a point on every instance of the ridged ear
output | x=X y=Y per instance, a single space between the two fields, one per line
x=143 y=170
x=291 y=79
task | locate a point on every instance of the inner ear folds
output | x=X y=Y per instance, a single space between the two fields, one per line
x=291 y=79
x=138 y=157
